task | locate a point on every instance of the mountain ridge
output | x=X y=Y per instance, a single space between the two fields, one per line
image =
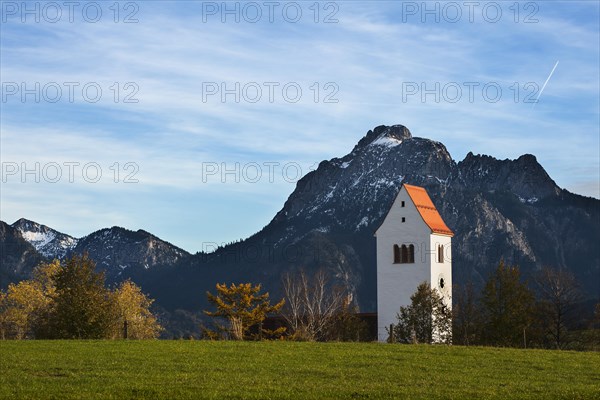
x=510 y=209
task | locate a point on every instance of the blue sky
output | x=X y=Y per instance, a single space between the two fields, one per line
x=161 y=115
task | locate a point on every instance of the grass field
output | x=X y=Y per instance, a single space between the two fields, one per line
x=287 y=370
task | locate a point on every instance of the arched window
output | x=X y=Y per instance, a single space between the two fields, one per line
x=440 y=253
x=404 y=254
x=397 y=258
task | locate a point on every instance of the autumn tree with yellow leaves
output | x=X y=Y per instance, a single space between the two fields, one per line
x=24 y=306
x=244 y=308
x=133 y=317
x=69 y=300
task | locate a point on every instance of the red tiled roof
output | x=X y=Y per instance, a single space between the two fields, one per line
x=427 y=209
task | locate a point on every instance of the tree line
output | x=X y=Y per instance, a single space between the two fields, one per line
x=69 y=300
x=507 y=312
x=544 y=313
x=313 y=309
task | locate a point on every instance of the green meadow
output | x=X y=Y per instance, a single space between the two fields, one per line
x=289 y=370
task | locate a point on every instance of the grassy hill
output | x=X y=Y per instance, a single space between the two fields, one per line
x=287 y=370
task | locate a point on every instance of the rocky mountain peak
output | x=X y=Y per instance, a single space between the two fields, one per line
x=27 y=225
x=524 y=177
x=49 y=242
x=498 y=209
x=385 y=135
x=122 y=252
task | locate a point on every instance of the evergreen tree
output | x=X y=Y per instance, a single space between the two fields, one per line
x=83 y=307
x=348 y=327
x=507 y=308
x=426 y=320
x=71 y=301
x=465 y=315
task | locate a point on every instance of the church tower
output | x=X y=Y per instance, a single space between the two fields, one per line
x=413 y=246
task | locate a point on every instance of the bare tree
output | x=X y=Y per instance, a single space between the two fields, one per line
x=293 y=310
x=559 y=295
x=312 y=304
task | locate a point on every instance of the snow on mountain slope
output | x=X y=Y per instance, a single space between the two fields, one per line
x=49 y=242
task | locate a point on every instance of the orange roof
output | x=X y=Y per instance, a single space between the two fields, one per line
x=428 y=212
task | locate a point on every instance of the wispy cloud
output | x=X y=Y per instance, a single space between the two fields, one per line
x=370 y=55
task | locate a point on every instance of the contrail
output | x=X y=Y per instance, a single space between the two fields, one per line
x=544 y=85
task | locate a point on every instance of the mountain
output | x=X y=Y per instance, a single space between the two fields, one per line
x=498 y=209
x=48 y=242
x=17 y=256
x=119 y=252
x=123 y=253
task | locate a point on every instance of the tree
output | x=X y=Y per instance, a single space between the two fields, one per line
x=244 y=308
x=134 y=320
x=4 y=320
x=595 y=327
x=82 y=305
x=44 y=275
x=426 y=320
x=71 y=301
x=465 y=315
x=24 y=306
x=347 y=326
x=507 y=307
x=21 y=304
x=312 y=304
x=559 y=295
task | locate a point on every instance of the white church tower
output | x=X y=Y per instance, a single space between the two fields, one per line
x=413 y=246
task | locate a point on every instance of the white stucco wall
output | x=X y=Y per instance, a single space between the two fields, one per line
x=439 y=270
x=397 y=282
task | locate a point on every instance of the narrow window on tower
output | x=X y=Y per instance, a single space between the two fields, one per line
x=403 y=219
x=397 y=258
x=403 y=254
x=440 y=254
x=411 y=254
x=402 y=204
